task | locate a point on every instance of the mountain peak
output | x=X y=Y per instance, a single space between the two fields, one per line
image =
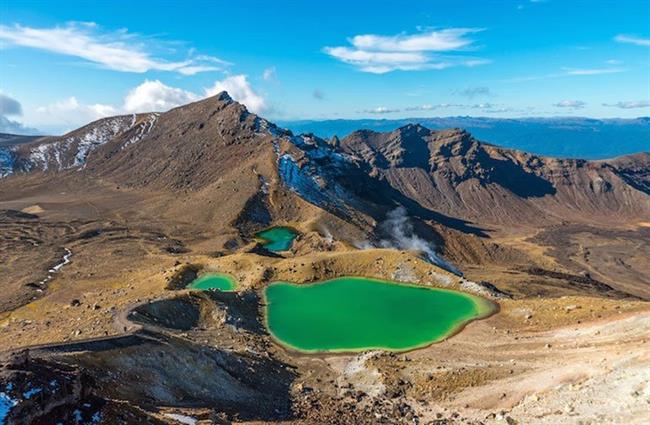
x=413 y=127
x=218 y=100
x=222 y=96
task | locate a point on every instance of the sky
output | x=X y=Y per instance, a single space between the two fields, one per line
x=63 y=64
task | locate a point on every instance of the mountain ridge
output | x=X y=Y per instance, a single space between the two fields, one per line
x=562 y=137
x=194 y=146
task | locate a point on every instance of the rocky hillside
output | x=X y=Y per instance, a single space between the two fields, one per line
x=72 y=150
x=452 y=172
x=215 y=146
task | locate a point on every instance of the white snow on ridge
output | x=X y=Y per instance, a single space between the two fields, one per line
x=313 y=185
x=145 y=128
x=6 y=162
x=264 y=126
x=39 y=155
x=53 y=154
x=98 y=136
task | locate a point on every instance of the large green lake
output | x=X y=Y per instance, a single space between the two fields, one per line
x=220 y=281
x=356 y=314
x=277 y=238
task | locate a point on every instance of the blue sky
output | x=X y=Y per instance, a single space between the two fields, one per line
x=63 y=64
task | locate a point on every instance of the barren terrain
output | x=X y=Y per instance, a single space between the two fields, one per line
x=113 y=324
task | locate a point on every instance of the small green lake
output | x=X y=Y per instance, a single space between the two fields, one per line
x=356 y=314
x=220 y=281
x=277 y=239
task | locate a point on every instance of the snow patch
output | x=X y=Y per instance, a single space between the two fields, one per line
x=64 y=261
x=31 y=392
x=144 y=128
x=188 y=420
x=52 y=154
x=6 y=162
x=96 y=137
x=55 y=269
x=304 y=183
x=316 y=179
x=6 y=404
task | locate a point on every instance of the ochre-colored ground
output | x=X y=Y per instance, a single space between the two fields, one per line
x=555 y=353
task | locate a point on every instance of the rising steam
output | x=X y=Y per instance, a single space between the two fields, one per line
x=401 y=235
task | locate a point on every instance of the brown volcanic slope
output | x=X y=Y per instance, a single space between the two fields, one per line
x=451 y=172
x=212 y=163
x=144 y=202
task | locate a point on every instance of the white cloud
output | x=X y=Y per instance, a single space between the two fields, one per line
x=379 y=54
x=482 y=107
x=15 y=127
x=573 y=104
x=591 y=71
x=568 y=72
x=381 y=110
x=430 y=107
x=630 y=104
x=269 y=74
x=71 y=111
x=381 y=62
x=240 y=90
x=156 y=96
x=9 y=106
x=119 y=51
x=435 y=41
x=472 y=92
x=150 y=96
x=639 y=41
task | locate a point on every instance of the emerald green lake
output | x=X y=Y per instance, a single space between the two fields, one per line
x=220 y=281
x=277 y=238
x=356 y=314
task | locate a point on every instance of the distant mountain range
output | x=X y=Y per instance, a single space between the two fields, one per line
x=568 y=137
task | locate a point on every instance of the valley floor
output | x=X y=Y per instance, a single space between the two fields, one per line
x=566 y=348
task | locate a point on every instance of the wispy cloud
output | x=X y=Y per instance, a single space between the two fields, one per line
x=380 y=54
x=71 y=112
x=472 y=92
x=269 y=74
x=436 y=41
x=485 y=107
x=381 y=110
x=431 y=107
x=630 y=104
x=119 y=50
x=571 y=104
x=569 y=72
x=523 y=6
x=629 y=39
x=591 y=71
